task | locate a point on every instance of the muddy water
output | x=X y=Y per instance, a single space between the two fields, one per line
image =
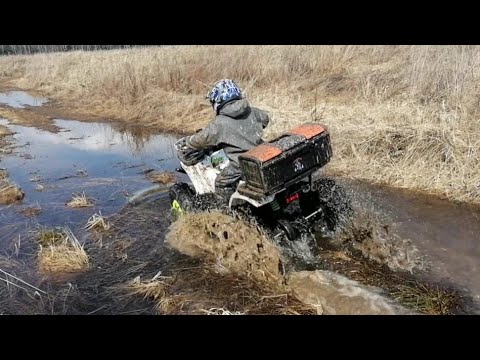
x=447 y=234
x=20 y=99
x=93 y=158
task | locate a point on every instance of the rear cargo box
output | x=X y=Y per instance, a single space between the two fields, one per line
x=270 y=166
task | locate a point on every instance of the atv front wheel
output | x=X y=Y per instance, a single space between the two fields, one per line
x=181 y=195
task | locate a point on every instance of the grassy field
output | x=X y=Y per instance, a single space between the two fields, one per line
x=400 y=115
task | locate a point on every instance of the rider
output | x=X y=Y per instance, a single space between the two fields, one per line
x=236 y=128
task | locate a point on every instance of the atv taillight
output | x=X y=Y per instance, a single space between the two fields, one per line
x=294 y=197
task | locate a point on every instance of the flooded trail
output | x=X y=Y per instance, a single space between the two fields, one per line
x=110 y=165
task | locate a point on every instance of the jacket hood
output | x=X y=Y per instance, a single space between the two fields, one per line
x=235 y=109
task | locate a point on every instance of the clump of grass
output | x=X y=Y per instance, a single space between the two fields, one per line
x=163 y=177
x=9 y=193
x=47 y=236
x=4 y=131
x=80 y=201
x=62 y=252
x=430 y=300
x=153 y=289
x=156 y=290
x=97 y=221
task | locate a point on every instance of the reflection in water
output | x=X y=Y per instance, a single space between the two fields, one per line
x=18 y=99
x=135 y=136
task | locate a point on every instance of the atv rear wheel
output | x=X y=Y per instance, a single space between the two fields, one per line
x=289 y=231
x=335 y=202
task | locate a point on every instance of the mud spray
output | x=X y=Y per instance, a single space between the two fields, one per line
x=376 y=240
x=236 y=248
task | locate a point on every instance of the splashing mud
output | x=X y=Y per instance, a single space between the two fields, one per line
x=233 y=244
x=443 y=235
x=376 y=242
x=230 y=243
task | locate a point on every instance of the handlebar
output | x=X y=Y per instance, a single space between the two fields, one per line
x=181 y=146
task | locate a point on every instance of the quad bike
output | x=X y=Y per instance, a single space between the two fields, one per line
x=277 y=188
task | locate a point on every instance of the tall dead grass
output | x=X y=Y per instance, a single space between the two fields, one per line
x=401 y=115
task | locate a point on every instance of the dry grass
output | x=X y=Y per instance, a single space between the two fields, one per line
x=61 y=252
x=402 y=115
x=46 y=236
x=9 y=193
x=162 y=177
x=80 y=201
x=156 y=290
x=430 y=300
x=28 y=117
x=4 y=131
x=97 y=222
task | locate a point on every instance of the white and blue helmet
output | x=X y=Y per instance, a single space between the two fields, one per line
x=224 y=91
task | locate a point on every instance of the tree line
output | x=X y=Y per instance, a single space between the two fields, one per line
x=32 y=49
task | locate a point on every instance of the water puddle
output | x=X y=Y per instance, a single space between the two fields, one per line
x=108 y=165
x=20 y=99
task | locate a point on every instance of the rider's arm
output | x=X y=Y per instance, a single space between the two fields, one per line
x=265 y=119
x=207 y=137
x=263 y=116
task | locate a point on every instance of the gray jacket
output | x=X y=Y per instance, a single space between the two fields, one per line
x=237 y=128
